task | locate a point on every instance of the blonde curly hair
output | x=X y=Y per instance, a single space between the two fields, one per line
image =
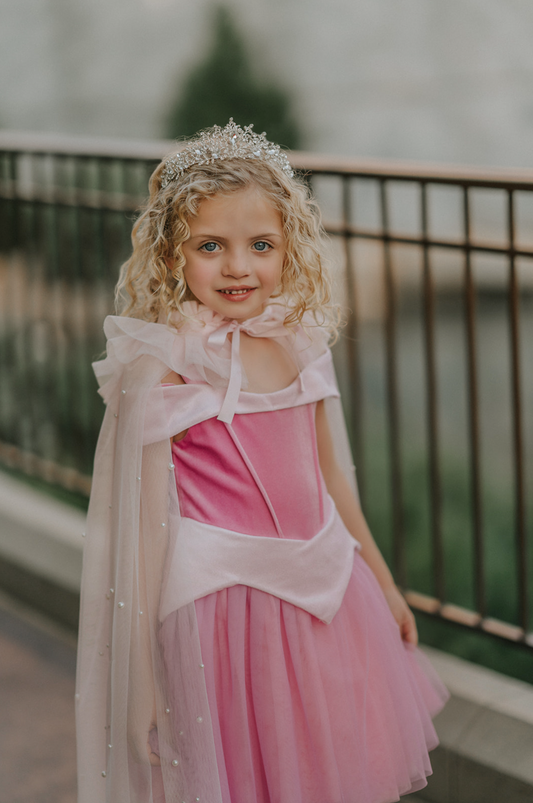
x=151 y=290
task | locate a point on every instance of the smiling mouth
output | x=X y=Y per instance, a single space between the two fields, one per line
x=235 y=292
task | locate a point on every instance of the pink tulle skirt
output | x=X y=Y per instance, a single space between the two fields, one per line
x=305 y=712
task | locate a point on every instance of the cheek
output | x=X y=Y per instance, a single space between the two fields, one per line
x=271 y=278
x=193 y=272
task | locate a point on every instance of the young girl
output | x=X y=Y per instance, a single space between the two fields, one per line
x=242 y=639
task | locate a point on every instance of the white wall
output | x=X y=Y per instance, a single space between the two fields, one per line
x=446 y=80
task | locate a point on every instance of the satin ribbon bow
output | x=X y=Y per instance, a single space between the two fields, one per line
x=267 y=324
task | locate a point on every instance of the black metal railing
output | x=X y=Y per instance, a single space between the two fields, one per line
x=435 y=272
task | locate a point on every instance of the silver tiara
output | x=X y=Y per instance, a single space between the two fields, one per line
x=230 y=142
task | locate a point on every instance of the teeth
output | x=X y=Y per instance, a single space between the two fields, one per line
x=235 y=292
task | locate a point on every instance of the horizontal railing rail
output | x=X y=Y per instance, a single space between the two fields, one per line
x=436 y=279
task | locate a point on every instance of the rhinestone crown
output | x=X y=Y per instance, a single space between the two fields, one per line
x=230 y=142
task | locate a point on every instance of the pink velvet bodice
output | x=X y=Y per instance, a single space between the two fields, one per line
x=259 y=475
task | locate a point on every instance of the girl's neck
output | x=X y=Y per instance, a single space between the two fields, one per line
x=267 y=365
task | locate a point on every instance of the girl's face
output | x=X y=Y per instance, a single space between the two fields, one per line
x=235 y=253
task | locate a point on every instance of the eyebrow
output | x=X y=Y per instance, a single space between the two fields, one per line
x=212 y=236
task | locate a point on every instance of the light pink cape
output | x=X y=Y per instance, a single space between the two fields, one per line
x=140 y=563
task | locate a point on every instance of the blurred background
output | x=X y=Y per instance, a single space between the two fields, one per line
x=408 y=79
x=412 y=121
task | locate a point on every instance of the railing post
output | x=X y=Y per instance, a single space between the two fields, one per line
x=473 y=411
x=352 y=343
x=518 y=462
x=392 y=395
x=432 y=419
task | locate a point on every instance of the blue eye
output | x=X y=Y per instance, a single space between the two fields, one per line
x=261 y=246
x=209 y=247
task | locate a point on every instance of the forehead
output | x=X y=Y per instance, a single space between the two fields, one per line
x=246 y=208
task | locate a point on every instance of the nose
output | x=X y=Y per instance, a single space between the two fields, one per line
x=236 y=264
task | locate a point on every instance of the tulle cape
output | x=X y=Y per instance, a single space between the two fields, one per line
x=133 y=524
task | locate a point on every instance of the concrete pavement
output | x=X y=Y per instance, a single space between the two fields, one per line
x=37 y=673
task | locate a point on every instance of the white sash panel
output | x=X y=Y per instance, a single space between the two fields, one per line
x=312 y=574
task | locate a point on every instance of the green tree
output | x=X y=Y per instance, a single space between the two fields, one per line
x=224 y=85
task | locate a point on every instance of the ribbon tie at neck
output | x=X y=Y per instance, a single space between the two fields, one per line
x=256 y=327
x=217 y=339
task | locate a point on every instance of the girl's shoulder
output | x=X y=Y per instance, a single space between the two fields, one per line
x=145 y=352
x=129 y=340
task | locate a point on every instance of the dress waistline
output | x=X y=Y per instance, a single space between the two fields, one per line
x=312 y=574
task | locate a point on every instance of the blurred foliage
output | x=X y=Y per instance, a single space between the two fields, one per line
x=73 y=498
x=74 y=242
x=515 y=660
x=459 y=561
x=50 y=407
x=224 y=85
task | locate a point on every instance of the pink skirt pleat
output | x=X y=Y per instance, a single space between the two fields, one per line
x=305 y=712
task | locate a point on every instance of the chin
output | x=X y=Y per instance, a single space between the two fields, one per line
x=238 y=310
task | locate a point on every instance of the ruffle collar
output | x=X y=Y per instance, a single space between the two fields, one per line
x=201 y=344
x=198 y=318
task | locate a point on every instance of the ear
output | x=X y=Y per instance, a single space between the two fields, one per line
x=170 y=262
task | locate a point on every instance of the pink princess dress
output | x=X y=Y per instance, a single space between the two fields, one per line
x=303 y=711
x=227 y=615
